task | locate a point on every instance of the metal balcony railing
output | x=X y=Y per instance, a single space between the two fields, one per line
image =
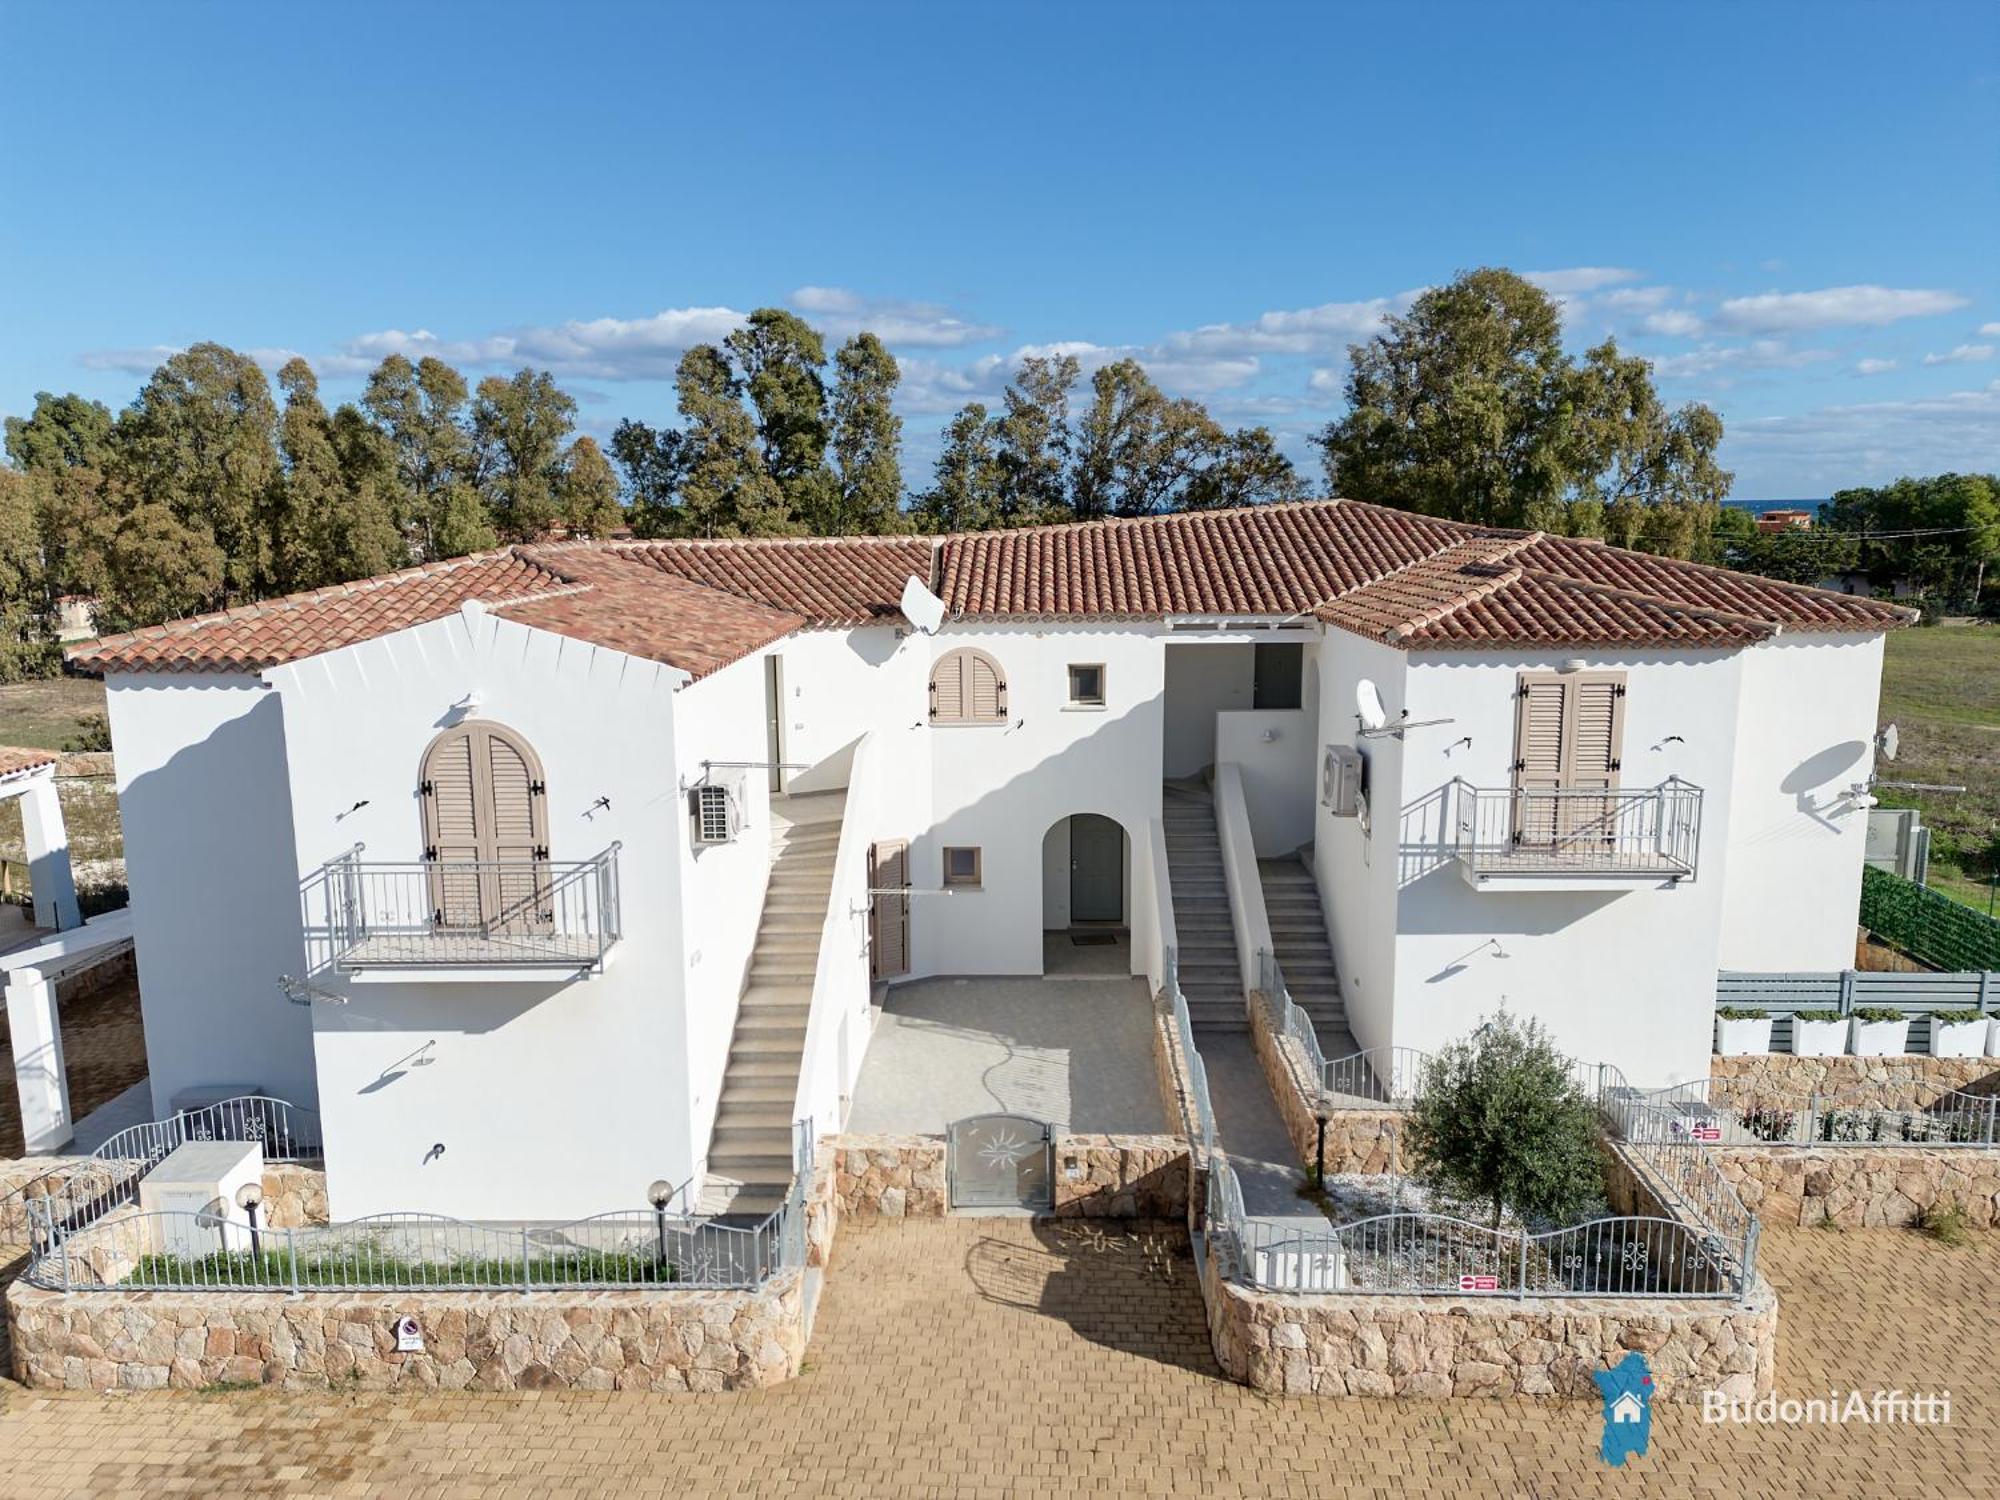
x=472 y=913
x=1638 y=832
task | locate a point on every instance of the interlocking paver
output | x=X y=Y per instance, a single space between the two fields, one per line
x=1002 y=1357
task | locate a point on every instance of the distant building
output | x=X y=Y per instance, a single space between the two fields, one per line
x=76 y=618
x=1785 y=520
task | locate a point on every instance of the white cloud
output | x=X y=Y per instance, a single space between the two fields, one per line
x=900 y=324
x=1569 y=282
x=1875 y=366
x=1633 y=299
x=1831 y=307
x=1989 y=330
x=1673 y=322
x=1964 y=354
x=1327 y=382
x=129 y=361
x=1326 y=329
x=1818 y=451
x=1733 y=359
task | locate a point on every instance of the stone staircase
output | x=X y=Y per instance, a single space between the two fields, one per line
x=1210 y=976
x=750 y=1152
x=1298 y=932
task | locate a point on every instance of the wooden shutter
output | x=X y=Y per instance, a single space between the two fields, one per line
x=1569 y=735
x=948 y=688
x=985 y=689
x=451 y=829
x=889 y=915
x=1539 y=711
x=486 y=830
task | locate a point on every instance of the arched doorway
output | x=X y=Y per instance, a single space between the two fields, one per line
x=1086 y=896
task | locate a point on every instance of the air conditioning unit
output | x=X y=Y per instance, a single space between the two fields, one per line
x=713 y=814
x=1343 y=781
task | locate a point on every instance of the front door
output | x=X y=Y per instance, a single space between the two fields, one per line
x=774 y=718
x=888 y=908
x=1096 y=869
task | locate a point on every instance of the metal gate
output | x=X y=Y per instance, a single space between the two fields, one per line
x=999 y=1161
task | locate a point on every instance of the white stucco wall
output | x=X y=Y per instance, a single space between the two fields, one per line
x=1354 y=860
x=1203 y=679
x=1808 y=717
x=553 y=1098
x=207 y=818
x=1624 y=976
x=1272 y=749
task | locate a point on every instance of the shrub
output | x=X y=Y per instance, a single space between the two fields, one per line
x=1500 y=1121
x=1880 y=1013
x=1815 y=1015
x=1956 y=1017
x=1741 y=1013
x=1944 y=1223
x=93 y=732
x=1768 y=1122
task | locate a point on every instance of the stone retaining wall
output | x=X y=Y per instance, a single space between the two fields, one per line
x=1096 y=1176
x=1437 y=1347
x=1862 y=1186
x=889 y=1176
x=1357 y=1140
x=1901 y=1082
x=593 y=1341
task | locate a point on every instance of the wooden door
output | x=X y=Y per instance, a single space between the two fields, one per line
x=889 y=913
x=1096 y=869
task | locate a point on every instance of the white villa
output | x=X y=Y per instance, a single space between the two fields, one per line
x=550 y=871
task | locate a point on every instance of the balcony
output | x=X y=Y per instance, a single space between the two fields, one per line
x=1515 y=840
x=472 y=920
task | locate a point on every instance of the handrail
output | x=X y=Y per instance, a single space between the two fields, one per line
x=1197 y=1088
x=459 y=913
x=1612 y=830
x=840 y=965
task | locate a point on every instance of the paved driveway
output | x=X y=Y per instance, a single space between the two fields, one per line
x=1001 y=1357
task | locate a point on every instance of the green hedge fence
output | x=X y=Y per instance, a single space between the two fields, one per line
x=1931 y=928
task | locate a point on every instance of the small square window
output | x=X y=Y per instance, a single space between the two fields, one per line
x=1086 y=684
x=961 y=867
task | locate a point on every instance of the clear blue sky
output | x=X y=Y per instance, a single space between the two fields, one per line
x=1795 y=210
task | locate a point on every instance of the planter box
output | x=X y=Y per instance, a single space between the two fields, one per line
x=1879 y=1038
x=1818 y=1038
x=1970 y=1039
x=1742 y=1038
x=1993 y=1037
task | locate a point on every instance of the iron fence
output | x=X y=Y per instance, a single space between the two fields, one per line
x=223 y=1248
x=1723 y=1111
x=1618 y=831
x=470 y=913
x=1426 y=1254
x=1197 y=1083
x=1377 y=1075
x=1679 y=1164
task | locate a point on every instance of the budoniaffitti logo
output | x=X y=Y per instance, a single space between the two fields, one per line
x=1627 y=1389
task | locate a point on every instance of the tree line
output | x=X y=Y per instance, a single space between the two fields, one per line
x=211 y=489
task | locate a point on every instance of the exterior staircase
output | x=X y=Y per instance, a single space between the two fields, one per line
x=1298 y=932
x=1210 y=976
x=750 y=1151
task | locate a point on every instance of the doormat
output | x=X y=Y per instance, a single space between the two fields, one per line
x=1094 y=939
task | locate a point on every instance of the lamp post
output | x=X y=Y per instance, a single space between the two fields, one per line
x=660 y=1194
x=248 y=1197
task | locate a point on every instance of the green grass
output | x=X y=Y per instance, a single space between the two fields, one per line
x=1941 y=687
x=46 y=715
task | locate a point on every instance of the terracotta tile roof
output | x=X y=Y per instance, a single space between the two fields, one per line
x=1274 y=560
x=1414 y=581
x=15 y=761
x=829 y=580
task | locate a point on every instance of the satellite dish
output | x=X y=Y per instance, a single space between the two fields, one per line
x=1368 y=704
x=921 y=607
x=1886 y=740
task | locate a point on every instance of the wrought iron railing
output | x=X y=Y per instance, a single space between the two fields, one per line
x=1380 y=1075
x=470 y=913
x=1197 y=1082
x=1733 y=1112
x=224 y=1249
x=1621 y=831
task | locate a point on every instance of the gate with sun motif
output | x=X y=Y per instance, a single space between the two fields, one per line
x=999 y=1161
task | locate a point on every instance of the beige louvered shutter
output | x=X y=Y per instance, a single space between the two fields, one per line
x=985 y=689
x=452 y=829
x=889 y=914
x=1538 y=754
x=948 y=688
x=517 y=846
x=1596 y=744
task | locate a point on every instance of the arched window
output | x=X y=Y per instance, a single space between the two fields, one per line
x=486 y=831
x=967 y=687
